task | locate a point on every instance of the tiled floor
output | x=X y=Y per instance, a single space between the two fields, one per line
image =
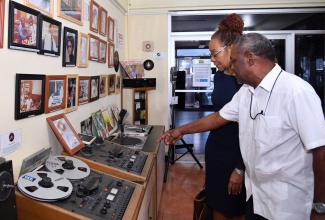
x=184 y=181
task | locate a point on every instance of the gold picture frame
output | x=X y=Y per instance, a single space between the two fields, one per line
x=83 y=50
x=46 y=7
x=71 y=10
x=72 y=90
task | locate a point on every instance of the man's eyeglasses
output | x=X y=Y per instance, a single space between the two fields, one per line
x=216 y=53
x=69 y=45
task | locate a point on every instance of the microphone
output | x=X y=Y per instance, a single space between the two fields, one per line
x=173 y=74
x=123 y=115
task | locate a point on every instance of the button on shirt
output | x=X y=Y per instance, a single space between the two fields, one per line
x=276 y=146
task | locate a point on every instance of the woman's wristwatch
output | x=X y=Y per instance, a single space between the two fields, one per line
x=319 y=207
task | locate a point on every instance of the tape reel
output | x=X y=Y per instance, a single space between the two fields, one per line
x=44 y=186
x=69 y=167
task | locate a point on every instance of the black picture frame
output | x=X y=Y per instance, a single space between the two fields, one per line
x=50 y=36
x=30 y=93
x=23 y=25
x=70 y=38
x=94 y=88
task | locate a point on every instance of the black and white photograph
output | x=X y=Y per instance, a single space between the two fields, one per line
x=94 y=88
x=55 y=93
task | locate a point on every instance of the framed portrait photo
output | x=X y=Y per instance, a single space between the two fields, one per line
x=70 y=42
x=102 y=21
x=83 y=50
x=45 y=6
x=2 y=19
x=55 y=93
x=72 y=93
x=93 y=47
x=111 y=49
x=50 y=37
x=111 y=84
x=103 y=85
x=118 y=84
x=29 y=98
x=65 y=133
x=94 y=16
x=94 y=88
x=84 y=89
x=111 y=24
x=71 y=10
x=23 y=24
x=102 y=51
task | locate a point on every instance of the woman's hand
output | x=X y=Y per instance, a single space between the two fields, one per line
x=171 y=136
x=235 y=183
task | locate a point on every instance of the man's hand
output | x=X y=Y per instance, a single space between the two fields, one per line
x=171 y=136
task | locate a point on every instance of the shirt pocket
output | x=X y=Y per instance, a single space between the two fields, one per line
x=268 y=132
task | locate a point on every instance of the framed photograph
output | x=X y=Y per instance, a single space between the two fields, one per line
x=70 y=42
x=94 y=16
x=94 y=88
x=2 y=19
x=83 y=50
x=23 y=31
x=45 y=6
x=29 y=98
x=66 y=134
x=118 y=84
x=102 y=51
x=87 y=126
x=110 y=35
x=111 y=49
x=55 y=93
x=93 y=47
x=102 y=21
x=84 y=89
x=72 y=93
x=71 y=10
x=102 y=85
x=50 y=42
x=111 y=84
x=100 y=124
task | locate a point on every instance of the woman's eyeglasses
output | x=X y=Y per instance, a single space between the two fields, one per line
x=214 y=55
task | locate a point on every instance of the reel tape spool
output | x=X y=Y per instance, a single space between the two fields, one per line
x=69 y=167
x=44 y=186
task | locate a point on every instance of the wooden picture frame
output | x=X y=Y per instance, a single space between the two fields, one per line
x=102 y=51
x=46 y=7
x=93 y=47
x=118 y=84
x=55 y=93
x=50 y=36
x=83 y=50
x=2 y=20
x=110 y=29
x=29 y=97
x=84 y=90
x=94 y=16
x=66 y=134
x=94 y=88
x=71 y=10
x=111 y=84
x=103 y=85
x=23 y=25
x=70 y=42
x=72 y=93
x=102 y=21
x=110 y=52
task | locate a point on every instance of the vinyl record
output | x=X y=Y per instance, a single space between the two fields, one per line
x=116 y=61
x=44 y=186
x=5 y=179
x=148 y=64
x=69 y=167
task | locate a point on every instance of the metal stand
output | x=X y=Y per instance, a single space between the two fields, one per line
x=171 y=148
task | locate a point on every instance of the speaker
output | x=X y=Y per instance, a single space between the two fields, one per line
x=8 y=208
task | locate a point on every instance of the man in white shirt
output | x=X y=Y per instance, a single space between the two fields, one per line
x=281 y=133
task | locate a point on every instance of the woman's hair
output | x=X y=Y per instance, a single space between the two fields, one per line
x=229 y=29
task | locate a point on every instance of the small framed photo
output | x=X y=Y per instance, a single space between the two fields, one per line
x=23 y=25
x=70 y=42
x=71 y=10
x=111 y=49
x=84 y=89
x=94 y=16
x=111 y=24
x=29 y=98
x=72 y=93
x=50 y=42
x=66 y=134
x=55 y=93
x=2 y=19
x=83 y=50
x=118 y=84
x=94 y=88
x=102 y=51
x=103 y=21
x=111 y=84
x=102 y=85
x=93 y=47
x=45 y=6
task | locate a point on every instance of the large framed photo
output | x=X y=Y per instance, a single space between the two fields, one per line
x=45 y=6
x=94 y=88
x=103 y=85
x=84 y=89
x=102 y=21
x=94 y=16
x=72 y=93
x=111 y=24
x=55 y=93
x=2 y=18
x=102 y=51
x=111 y=84
x=93 y=47
x=50 y=30
x=83 y=50
x=111 y=48
x=29 y=99
x=66 y=134
x=71 y=10
x=70 y=41
x=23 y=31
